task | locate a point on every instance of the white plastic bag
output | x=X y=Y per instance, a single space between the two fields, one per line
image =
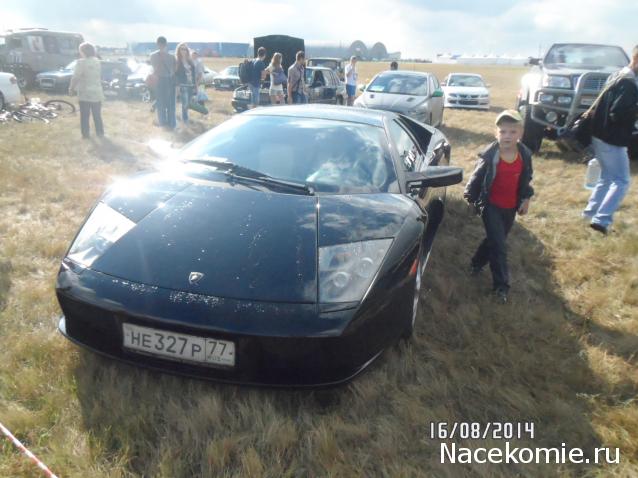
x=201 y=94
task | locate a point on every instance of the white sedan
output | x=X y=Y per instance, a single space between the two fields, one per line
x=466 y=90
x=9 y=90
x=208 y=76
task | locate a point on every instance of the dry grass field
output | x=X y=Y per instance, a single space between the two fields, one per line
x=562 y=354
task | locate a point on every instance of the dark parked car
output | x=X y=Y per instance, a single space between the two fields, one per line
x=59 y=80
x=323 y=87
x=283 y=247
x=131 y=85
x=56 y=80
x=228 y=79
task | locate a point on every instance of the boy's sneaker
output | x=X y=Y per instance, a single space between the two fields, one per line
x=598 y=227
x=501 y=296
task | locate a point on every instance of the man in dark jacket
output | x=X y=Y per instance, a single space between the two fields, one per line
x=499 y=188
x=612 y=125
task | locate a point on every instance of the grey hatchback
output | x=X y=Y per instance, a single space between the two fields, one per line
x=412 y=93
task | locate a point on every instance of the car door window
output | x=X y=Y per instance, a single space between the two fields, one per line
x=51 y=44
x=436 y=82
x=15 y=43
x=409 y=153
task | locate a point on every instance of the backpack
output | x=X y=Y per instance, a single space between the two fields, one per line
x=246 y=71
x=279 y=77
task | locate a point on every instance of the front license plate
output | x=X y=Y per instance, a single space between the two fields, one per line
x=179 y=346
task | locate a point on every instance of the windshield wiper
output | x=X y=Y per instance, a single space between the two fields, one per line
x=234 y=171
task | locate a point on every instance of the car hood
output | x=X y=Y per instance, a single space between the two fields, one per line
x=56 y=73
x=390 y=102
x=248 y=244
x=466 y=90
x=571 y=71
x=226 y=77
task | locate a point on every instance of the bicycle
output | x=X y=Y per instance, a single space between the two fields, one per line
x=33 y=110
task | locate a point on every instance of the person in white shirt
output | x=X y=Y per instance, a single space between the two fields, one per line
x=351 y=79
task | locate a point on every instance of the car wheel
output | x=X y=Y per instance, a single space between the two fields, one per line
x=22 y=82
x=532 y=131
x=146 y=95
x=409 y=331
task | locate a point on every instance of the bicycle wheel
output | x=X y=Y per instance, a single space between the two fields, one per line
x=41 y=112
x=60 y=106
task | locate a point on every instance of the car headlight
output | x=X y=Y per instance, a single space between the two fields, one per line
x=453 y=95
x=564 y=100
x=485 y=96
x=346 y=270
x=554 y=81
x=103 y=228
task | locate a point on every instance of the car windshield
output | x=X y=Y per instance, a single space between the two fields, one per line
x=327 y=63
x=465 y=80
x=230 y=71
x=581 y=56
x=333 y=157
x=399 y=84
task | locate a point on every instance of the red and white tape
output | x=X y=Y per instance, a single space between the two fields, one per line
x=24 y=450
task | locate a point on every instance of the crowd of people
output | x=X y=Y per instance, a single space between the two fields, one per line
x=180 y=76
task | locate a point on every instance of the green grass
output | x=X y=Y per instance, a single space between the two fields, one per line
x=562 y=354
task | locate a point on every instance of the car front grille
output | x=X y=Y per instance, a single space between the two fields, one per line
x=47 y=83
x=594 y=83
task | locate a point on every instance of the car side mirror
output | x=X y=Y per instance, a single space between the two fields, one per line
x=534 y=61
x=433 y=177
x=362 y=87
x=438 y=93
x=444 y=83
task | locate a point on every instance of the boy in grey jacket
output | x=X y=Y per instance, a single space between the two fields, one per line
x=499 y=188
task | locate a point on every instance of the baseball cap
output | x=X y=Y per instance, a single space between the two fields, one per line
x=511 y=115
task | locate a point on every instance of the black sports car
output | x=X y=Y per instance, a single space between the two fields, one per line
x=284 y=247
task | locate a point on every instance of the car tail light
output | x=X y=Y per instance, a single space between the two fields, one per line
x=13 y=80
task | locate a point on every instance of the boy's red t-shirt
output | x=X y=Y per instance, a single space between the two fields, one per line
x=504 y=191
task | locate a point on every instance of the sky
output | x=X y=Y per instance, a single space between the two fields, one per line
x=418 y=29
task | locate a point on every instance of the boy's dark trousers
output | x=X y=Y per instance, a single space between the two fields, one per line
x=493 y=249
x=88 y=108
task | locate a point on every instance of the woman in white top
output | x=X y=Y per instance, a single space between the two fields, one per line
x=87 y=81
x=277 y=80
